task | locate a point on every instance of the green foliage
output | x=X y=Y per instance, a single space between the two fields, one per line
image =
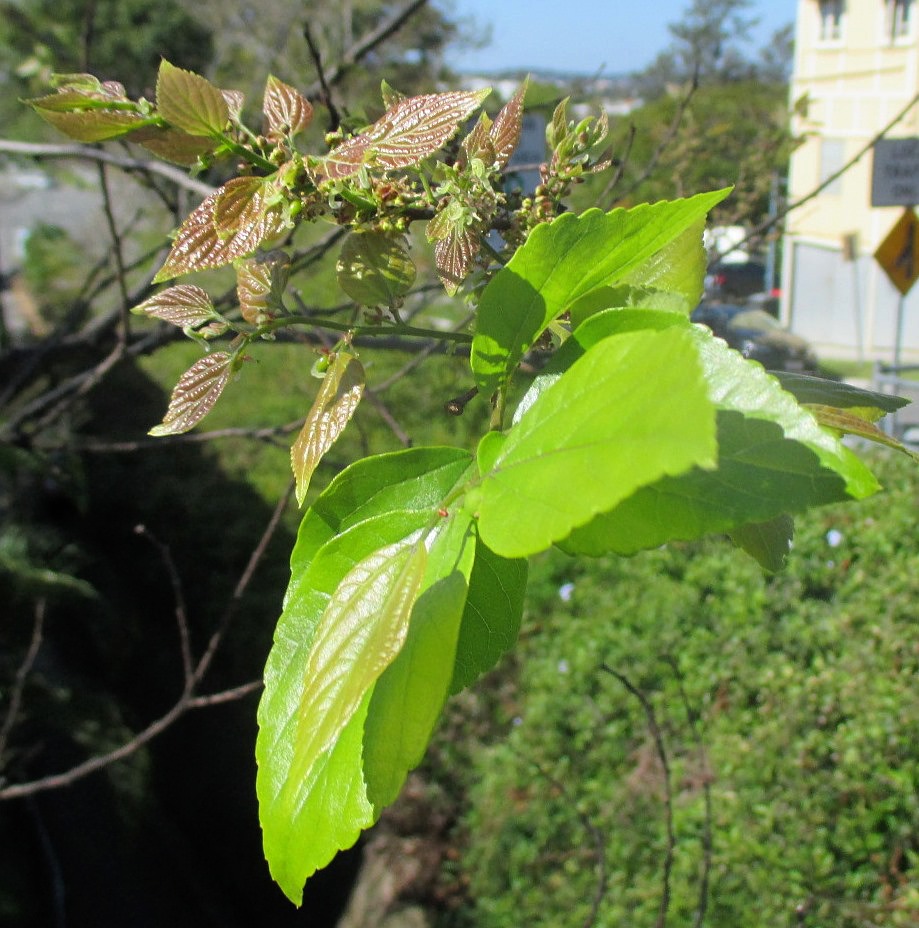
x=408 y=573
x=791 y=698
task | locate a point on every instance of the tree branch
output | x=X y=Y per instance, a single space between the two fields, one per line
x=89 y=153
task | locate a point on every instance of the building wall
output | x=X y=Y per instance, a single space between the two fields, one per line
x=844 y=92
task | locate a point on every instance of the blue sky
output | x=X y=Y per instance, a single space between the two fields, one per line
x=587 y=35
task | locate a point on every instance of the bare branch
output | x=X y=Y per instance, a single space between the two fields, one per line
x=22 y=674
x=658 y=737
x=324 y=88
x=187 y=699
x=367 y=44
x=89 y=153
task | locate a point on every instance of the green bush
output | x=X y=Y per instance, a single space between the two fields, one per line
x=802 y=688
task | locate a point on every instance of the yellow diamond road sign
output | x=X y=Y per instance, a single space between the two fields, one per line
x=898 y=254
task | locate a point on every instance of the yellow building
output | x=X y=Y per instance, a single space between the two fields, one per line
x=856 y=69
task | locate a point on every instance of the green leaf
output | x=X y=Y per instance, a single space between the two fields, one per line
x=374 y=269
x=564 y=260
x=335 y=404
x=807 y=389
x=287 y=112
x=195 y=394
x=416 y=479
x=852 y=422
x=773 y=458
x=93 y=125
x=767 y=542
x=172 y=144
x=312 y=806
x=409 y=696
x=632 y=409
x=190 y=102
x=492 y=615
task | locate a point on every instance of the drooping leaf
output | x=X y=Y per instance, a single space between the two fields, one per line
x=808 y=389
x=410 y=694
x=190 y=102
x=492 y=615
x=769 y=543
x=260 y=282
x=455 y=256
x=287 y=111
x=505 y=131
x=305 y=822
x=566 y=259
x=338 y=398
x=634 y=408
x=358 y=635
x=184 y=305
x=93 y=125
x=851 y=422
x=195 y=394
x=416 y=479
x=230 y=223
x=374 y=269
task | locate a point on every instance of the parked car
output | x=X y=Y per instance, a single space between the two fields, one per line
x=758 y=336
x=729 y=280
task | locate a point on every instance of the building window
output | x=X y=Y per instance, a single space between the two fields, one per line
x=830 y=13
x=900 y=16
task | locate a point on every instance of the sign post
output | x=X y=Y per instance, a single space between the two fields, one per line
x=898 y=255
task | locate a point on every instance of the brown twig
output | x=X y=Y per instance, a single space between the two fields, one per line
x=660 y=747
x=325 y=91
x=186 y=700
x=22 y=674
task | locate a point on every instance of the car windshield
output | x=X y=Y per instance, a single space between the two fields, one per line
x=757 y=319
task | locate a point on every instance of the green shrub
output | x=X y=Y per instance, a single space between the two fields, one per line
x=805 y=688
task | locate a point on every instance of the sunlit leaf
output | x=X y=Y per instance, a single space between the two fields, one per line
x=307 y=820
x=286 y=110
x=563 y=261
x=345 y=160
x=505 y=132
x=195 y=394
x=235 y=100
x=478 y=144
x=245 y=222
x=455 y=256
x=190 y=102
x=259 y=282
x=185 y=306
x=390 y=95
x=409 y=695
x=374 y=269
x=338 y=398
x=415 y=479
x=634 y=408
x=93 y=125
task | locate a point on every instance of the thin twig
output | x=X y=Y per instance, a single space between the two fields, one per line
x=366 y=44
x=178 y=594
x=325 y=89
x=187 y=699
x=22 y=674
x=707 y=837
x=117 y=253
x=658 y=737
